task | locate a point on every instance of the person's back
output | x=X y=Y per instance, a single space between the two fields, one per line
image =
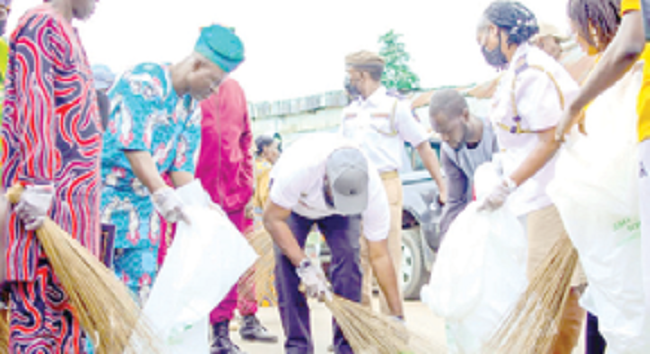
x=225 y=165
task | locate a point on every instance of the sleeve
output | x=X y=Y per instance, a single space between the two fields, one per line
x=629 y=5
x=287 y=185
x=457 y=189
x=538 y=100
x=262 y=188
x=136 y=111
x=376 y=217
x=188 y=144
x=407 y=126
x=31 y=102
x=247 y=146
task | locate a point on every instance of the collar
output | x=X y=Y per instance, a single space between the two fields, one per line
x=375 y=98
x=519 y=53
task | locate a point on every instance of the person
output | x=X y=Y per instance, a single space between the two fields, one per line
x=104 y=79
x=467 y=142
x=549 y=39
x=325 y=180
x=225 y=168
x=627 y=46
x=154 y=130
x=381 y=123
x=267 y=154
x=55 y=155
x=5 y=10
x=526 y=107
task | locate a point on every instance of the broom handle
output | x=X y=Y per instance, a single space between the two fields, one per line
x=14 y=193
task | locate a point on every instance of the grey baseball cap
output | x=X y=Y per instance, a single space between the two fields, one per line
x=347 y=172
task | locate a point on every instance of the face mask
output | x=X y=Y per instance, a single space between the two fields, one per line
x=495 y=57
x=352 y=90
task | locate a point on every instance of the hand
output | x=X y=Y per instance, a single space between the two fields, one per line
x=34 y=204
x=442 y=196
x=499 y=195
x=169 y=205
x=314 y=280
x=250 y=210
x=214 y=206
x=400 y=328
x=569 y=118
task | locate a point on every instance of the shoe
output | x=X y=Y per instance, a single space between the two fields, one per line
x=221 y=343
x=252 y=330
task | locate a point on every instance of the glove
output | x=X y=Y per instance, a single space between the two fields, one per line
x=499 y=195
x=34 y=204
x=314 y=280
x=169 y=205
x=400 y=328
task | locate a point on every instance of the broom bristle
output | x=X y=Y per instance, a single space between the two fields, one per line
x=104 y=306
x=532 y=325
x=4 y=331
x=368 y=332
x=262 y=242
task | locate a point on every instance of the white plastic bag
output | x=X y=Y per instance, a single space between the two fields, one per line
x=204 y=262
x=596 y=192
x=480 y=271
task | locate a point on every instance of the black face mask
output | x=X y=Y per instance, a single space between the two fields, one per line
x=3 y=27
x=352 y=90
x=495 y=57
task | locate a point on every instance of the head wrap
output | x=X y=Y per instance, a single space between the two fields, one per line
x=103 y=77
x=365 y=60
x=221 y=46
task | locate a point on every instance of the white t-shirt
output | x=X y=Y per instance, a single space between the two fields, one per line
x=539 y=108
x=297 y=184
x=368 y=122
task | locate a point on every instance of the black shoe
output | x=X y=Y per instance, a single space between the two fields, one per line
x=221 y=343
x=253 y=330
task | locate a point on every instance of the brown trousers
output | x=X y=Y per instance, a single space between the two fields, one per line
x=393 y=187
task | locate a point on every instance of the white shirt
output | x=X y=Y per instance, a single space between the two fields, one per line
x=297 y=184
x=368 y=123
x=539 y=109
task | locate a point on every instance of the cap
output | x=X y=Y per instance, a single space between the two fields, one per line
x=103 y=76
x=221 y=46
x=347 y=172
x=365 y=59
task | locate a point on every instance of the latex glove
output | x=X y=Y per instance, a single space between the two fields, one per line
x=498 y=196
x=34 y=204
x=314 y=280
x=169 y=205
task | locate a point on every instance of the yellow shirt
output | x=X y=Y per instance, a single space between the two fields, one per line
x=643 y=105
x=262 y=179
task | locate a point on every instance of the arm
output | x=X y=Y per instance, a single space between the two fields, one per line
x=182 y=171
x=622 y=53
x=432 y=165
x=457 y=192
x=382 y=266
x=546 y=147
x=275 y=222
x=145 y=169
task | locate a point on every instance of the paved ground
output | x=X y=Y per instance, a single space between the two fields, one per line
x=419 y=318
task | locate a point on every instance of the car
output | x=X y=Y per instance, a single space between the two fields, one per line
x=421 y=213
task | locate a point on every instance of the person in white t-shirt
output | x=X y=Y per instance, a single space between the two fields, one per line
x=526 y=109
x=325 y=180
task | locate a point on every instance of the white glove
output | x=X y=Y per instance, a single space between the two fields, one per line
x=34 y=204
x=314 y=280
x=169 y=205
x=498 y=196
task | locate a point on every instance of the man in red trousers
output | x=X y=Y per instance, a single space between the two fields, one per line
x=225 y=168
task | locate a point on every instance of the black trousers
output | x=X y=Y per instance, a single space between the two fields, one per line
x=342 y=235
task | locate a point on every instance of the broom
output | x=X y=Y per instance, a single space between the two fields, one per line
x=262 y=243
x=105 y=307
x=533 y=324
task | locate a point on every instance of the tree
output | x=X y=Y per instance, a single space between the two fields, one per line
x=397 y=74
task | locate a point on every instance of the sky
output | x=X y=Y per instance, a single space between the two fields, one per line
x=296 y=48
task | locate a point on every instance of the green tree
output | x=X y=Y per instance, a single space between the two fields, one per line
x=397 y=74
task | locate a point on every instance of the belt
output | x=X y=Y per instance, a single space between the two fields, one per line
x=389 y=175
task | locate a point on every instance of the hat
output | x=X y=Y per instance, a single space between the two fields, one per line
x=103 y=77
x=546 y=29
x=347 y=172
x=221 y=46
x=364 y=59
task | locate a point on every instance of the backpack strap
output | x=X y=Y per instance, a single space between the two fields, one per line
x=393 y=129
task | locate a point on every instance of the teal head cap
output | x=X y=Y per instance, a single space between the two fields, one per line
x=221 y=46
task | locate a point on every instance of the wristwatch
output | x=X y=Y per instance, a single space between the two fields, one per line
x=304 y=264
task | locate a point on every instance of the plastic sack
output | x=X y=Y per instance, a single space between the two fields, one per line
x=480 y=271
x=596 y=192
x=205 y=261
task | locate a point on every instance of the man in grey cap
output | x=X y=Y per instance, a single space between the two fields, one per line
x=325 y=180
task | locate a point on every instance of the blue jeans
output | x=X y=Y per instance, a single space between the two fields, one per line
x=342 y=235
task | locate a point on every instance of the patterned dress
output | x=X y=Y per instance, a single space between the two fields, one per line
x=146 y=115
x=51 y=133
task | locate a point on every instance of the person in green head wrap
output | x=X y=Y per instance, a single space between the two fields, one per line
x=153 y=131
